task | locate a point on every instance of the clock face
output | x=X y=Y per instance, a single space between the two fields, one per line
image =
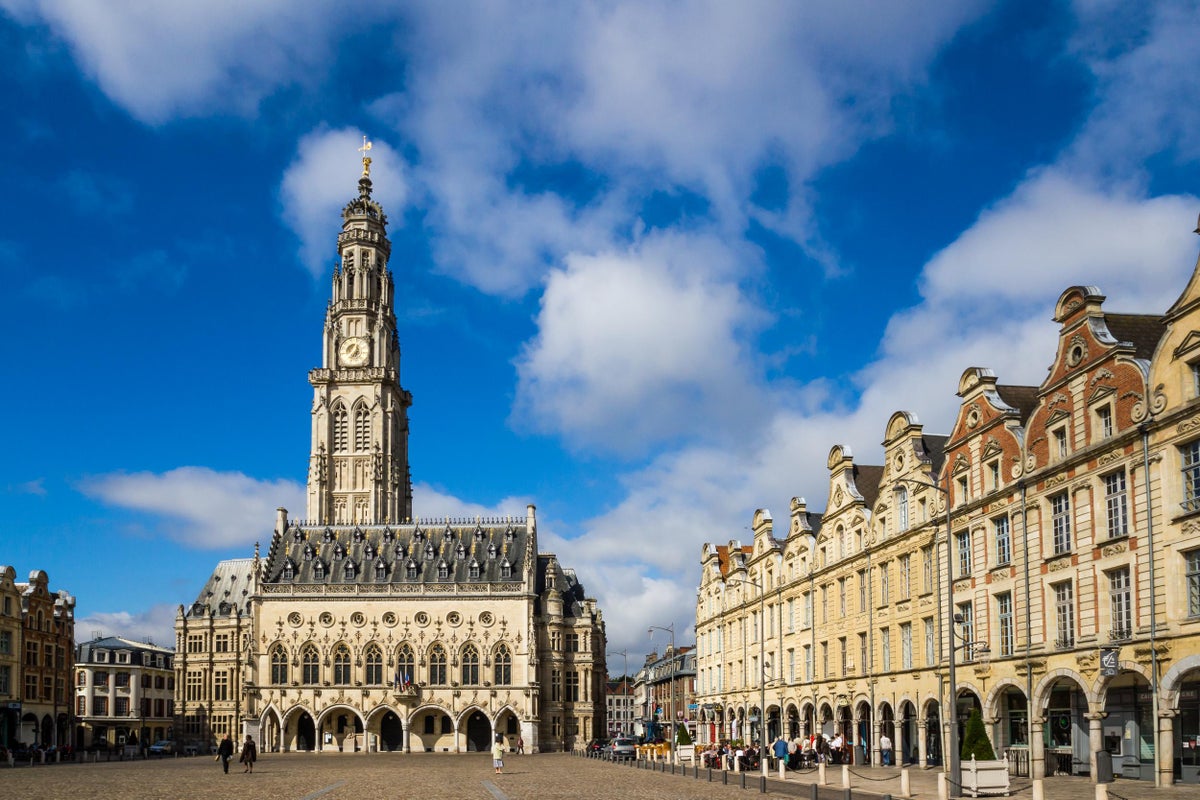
x=353 y=352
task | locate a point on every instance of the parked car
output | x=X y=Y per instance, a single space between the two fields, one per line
x=596 y=747
x=163 y=747
x=621 y=749
x=191 y=749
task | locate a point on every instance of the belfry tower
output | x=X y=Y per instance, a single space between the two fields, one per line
x=358 y=466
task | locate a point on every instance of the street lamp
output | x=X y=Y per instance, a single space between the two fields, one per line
x=624 y=682
x=671 y=696
x=953 y=763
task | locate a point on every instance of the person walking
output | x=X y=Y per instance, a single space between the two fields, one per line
x=781 y=751
x=498 y=753
x=885 y=749
x=520 y=745
x=249 y=754
x=225 y=752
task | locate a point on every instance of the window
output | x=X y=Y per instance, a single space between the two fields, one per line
x=405 y=665
x=842 y=596
x=470 y=665
x=1003 y=541
x=341 y=430
x=1190 y=456
x=927 y=569
x=362 y=428
x=279 y=665
x=824 y=659
x=824 y=604
x=1060 y=522
x=905 y=576
x=319 y=569
x=310 y=665
x=808 y=663
x=1059 y=437
x=791 y=614
x=862 y=652
x=1004 y=618
x=1064 y=614
x=993 y=469
x=502 y=666
x=965 y=618
x=962 y=495
x=885 y=648
x=1119 y=605
x=374 y=666
x=963 y=541
x=6 y=680
x=572 y=640
x=572 y=686
x=1104 y=421
x=1195 y=379
x=902 y=509
x=846 y=666
x=885 y=571
x=437 y=666
x=808 y=609
x=864 y=586
x=341 y=665
x=220 y=688
x=31 y=654
x=930 y=642
x=906 y=650
x=555 y=686
x=6 y=643
x=100 y=706
x=1116 y=504
x=289 y=570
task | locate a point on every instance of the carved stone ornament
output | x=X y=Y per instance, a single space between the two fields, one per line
x=1189 y=425
x=1056 y=480
x=1076 y=351
x=389 y=619
x=1110 y=457
x=1114 y=549
x=326 y=619
x=972 y=419
x=1058 y=566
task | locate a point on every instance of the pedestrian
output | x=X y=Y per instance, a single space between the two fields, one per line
x=520 y=745
x=498 y=753
x=781 y=750
x=225 y=752
x=249 y=754
x=885 y=749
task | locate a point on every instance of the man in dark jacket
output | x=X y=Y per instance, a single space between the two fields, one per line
x=225 y=752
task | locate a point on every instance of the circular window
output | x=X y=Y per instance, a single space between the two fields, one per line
x=326 y=619
x=357 y=618
x=389 y=619
x=422 y=618
x=295 y=620
x=454 y=618
x=486 y=618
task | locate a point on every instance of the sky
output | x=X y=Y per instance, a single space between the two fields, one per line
x=653 y=259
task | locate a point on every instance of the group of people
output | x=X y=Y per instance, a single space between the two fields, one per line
x=248 y=757
x=798 y=753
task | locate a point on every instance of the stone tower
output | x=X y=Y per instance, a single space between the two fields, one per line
x=358 y=466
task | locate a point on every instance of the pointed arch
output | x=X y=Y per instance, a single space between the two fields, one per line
x=502 y=665
x=279 y=665
x=341 y=664
x=310 y=665
x=373 y=665
x=341 y=427
x=437 y=665
x=406 y=664
x=469 y=665
x=362 y=426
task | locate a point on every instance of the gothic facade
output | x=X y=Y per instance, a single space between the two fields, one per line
x=364 y=628
x=1048 y=547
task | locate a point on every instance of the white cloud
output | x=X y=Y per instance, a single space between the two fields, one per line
x=155 y=625
x=191 y=57
x=199 y=507
x=431 y=503
x=319 y=183
x=642 y=346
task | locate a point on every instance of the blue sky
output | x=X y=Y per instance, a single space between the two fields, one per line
x=652 y=259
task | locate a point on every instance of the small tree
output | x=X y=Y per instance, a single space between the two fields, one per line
x=975 y=740
x=682 y=736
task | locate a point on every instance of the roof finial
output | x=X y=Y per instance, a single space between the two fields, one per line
x=366 y=148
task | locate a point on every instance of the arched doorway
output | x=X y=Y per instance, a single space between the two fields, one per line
x=270 y=732
x=1127 y=731
x=1066 y=730
x=907 y=746
x=793 y=723
x=306 y=732
x=967 y=702
x=479 y=733
x=887 y=727
x=863 y=741
x=827 y=726
x=391 y=732
x=1013 y=734
x=773 y=728
x=432 y=731
x=933 y=734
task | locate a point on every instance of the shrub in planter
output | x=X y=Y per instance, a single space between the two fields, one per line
x=681 y=735
x=975 y=740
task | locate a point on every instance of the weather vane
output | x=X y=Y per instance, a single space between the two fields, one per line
x=366 y=148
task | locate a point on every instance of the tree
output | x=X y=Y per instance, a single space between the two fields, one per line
x=975 y=740
x=681 y=735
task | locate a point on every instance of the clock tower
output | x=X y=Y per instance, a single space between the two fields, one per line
x=358 y=467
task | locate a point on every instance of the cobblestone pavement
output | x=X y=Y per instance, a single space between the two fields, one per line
x=437 y=776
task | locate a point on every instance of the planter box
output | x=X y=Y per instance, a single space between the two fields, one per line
x=984 y=777
x=686 y=752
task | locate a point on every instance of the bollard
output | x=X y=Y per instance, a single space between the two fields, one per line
x=1039 y=791
x=846 y=794
x=743 y=780
x=846 y=776
x=725 y=777
x=1101 y=791
x=710 y=774
x=943 y=788
x=814 y=791
x=821 y=773
x=905 y=786
x=737 y=764
x=762 y=784
x=782 y=769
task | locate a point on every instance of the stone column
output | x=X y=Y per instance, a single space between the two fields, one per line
x=922 y=742
x=1095 y=738
x=1164 y=757
x=1037 y=748
x=898 y=743
x=875 y=758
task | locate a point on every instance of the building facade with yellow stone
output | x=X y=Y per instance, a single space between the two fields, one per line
x=1068 y=587
x=364 y=627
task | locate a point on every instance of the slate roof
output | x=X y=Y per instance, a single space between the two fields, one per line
x=84 y=652
x=565 y=581
x=227 y=589
x=934 y=445
x=412 y=553
x=1023 y=398
x=1143 y=331
x=867 y=478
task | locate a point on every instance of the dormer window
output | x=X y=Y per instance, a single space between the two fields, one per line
x=380 y=570
x=505 y=569
x=289 y=570
x=993 y=470
x=1104 y=421
x=308 y=553
x=1058 y=437
x=319 y=570
x=399 y=551
x=339 y=552
x=328 y=535
x=478 y=534
x=491 y=550
x=901 y=509
x=297 y=534
x=429 y=551
x=461 y=551
x=474 y=570
x=443 y=570
x=369 y=551
x=411 y=568
x=351 y=570
x=388 y=535
x=418 y=535
x=358 y=534
x=509 y=533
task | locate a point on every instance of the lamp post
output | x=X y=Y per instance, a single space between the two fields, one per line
x=762 y=675
x=671 y=696
x=953 y=762
x=624 y=682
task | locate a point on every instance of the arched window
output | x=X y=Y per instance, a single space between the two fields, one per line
x=470 y=665
x=341 y=665
x=310 y=665
x=341 y=429
x=437 y=666
x=502 y=666
x=362 y=427
x=374 y=662
x=405 y=665
x=279 y=665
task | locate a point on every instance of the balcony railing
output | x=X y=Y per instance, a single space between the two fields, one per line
x=1120 y=634
x=1065 y=641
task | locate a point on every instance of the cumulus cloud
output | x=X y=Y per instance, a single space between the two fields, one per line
x=432 y=503
x=317 y=185
x=164 y=60
x=638 y=347
x=155 y=625
x=199 y=507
